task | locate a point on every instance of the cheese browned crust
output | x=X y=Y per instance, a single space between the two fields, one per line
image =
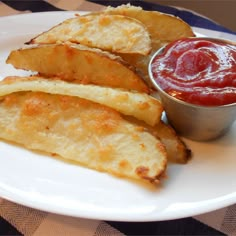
x=76 y=129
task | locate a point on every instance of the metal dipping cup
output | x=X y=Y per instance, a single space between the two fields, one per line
x=195 y=122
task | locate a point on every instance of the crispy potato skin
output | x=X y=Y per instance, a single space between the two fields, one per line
x=90 y=134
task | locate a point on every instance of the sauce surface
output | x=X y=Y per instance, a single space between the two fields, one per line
x=198 y=71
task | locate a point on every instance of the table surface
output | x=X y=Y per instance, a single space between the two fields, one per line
x=186 y=226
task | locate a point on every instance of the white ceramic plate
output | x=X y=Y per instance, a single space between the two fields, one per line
x=206 y=183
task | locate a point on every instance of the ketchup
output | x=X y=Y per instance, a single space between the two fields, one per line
x=197 y=70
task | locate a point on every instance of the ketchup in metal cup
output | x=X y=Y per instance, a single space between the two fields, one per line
x=198 y=71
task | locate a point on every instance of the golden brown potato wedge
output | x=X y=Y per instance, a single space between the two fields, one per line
x=177 y=150
x=139 y=105
x=113 y=33
x=163 y=28
x=79 y=64
x=87 y=133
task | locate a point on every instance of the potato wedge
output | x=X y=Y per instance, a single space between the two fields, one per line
x=163 y=29
x=177 y=150
x=84 y=132
x=139 y=105
x=113 y=33
x=79 y=64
